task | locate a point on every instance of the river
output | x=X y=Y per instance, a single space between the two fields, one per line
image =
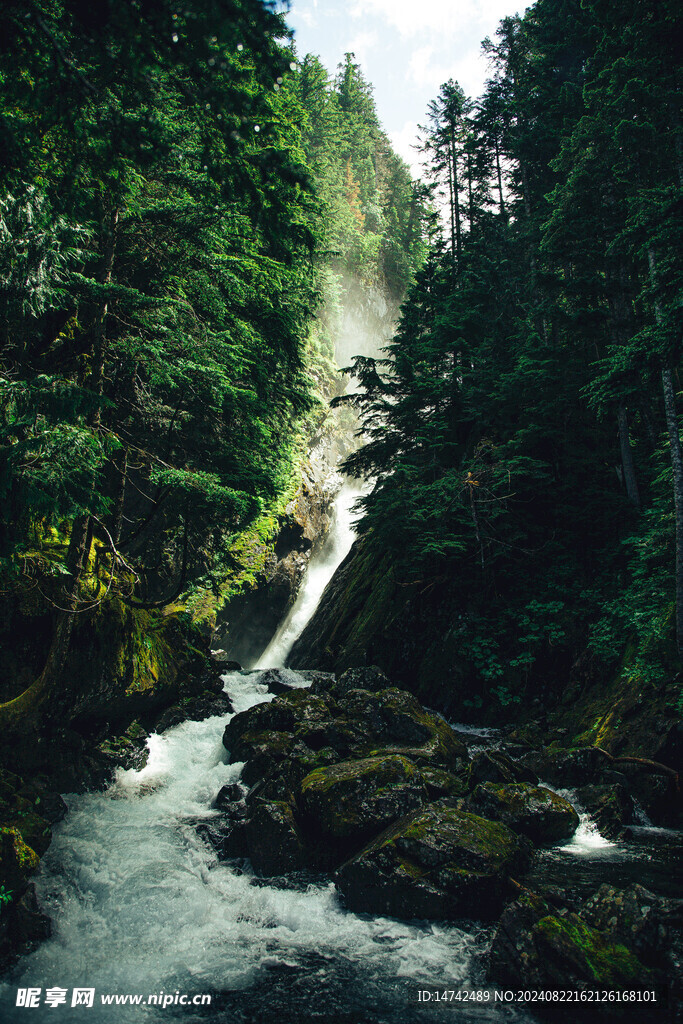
x=142 y=907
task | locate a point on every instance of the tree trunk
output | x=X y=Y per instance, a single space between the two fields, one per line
x=676 y=464
x=627 y=457
x=28 y=702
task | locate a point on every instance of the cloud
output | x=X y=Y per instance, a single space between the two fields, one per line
x=447 y=18
x=402 y=142
x=361 y=44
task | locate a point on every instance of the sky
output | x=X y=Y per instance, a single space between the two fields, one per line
x=406 y=48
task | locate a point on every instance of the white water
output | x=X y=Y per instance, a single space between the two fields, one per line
x=320 y=570
x=141 y=904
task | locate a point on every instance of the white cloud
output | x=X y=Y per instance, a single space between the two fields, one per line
x=403 y=141
x=447 y=18
x=361 y=44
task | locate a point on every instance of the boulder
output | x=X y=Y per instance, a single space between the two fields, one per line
x=263 y=752
x=438 y=862
x=367 y=678
x=566 y=768
x=283 y=714
x=18 y=861
x=651 y=925
x=495 y=766
x=534 y=811
x=395 y=720
x=194 y=709
x=536 y=948
x=360 y=798
x=273 y=841
x=610 y=807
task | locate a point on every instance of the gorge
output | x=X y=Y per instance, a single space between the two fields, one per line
x=341 y=524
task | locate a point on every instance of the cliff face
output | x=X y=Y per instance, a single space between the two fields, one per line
x=247 y=623
x=367 y=617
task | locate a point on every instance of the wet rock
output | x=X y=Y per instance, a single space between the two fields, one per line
x=360 y=798
x=441 y=783
x=273 y=841
x=395 y=720
x=534 y=811
x=263 y=752
x=535 y=948
x=637 y=918
x=18 y=860
x=228 y=795
x=194 y=709
x=126 y=751
x=226 y=837
x=30 y=926
x=283 y=714
x=367 y=678
x=279 y=681
x=495 y=766
x=610 y=807
x=435 y=863
x=566 y=768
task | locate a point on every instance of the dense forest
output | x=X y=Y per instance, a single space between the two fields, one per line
x=181 y=213
x=199 y=226
x=523 y=427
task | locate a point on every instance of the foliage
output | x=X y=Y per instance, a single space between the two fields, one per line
x=523 y=481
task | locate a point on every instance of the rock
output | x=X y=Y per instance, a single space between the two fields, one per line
x=534 y=811
x=435 y=863
x=228 y=795
x=565 y=768
x=441 y=783
x=263 y=753
x=395 y=720
x=195 y=709
x=273 y=842
x=30 y=925
x=370 y=678
x=224 y=662
x=637 y=918
x=127 y=751
x=534 y=948
x=360 y=798
x=17 y=860
x=610 y=807
x=226 y=837
x=283 y=714
x=495 y=766
x=279 y=681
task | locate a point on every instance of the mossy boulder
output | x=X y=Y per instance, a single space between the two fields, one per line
x=536 y=812
x=438 y=862
x=368 y=677
x=560 y=766
x=535 y=948
x=649 y=924
x=18 y=861
x=495 y=766
x=610 y=806
x=360 y=798
x=263 y=752
x=273 y=841
x=285 y=713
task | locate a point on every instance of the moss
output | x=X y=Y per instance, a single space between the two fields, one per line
x=610 y=965
x=26 y=858
x=390 y=768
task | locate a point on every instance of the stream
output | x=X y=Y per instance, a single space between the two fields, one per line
x=142 y=907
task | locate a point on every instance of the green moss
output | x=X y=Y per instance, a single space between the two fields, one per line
x=610 y=965
x=26 y=858
x=389 y=768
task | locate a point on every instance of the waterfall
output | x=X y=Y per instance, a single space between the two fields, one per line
x=319 y=572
